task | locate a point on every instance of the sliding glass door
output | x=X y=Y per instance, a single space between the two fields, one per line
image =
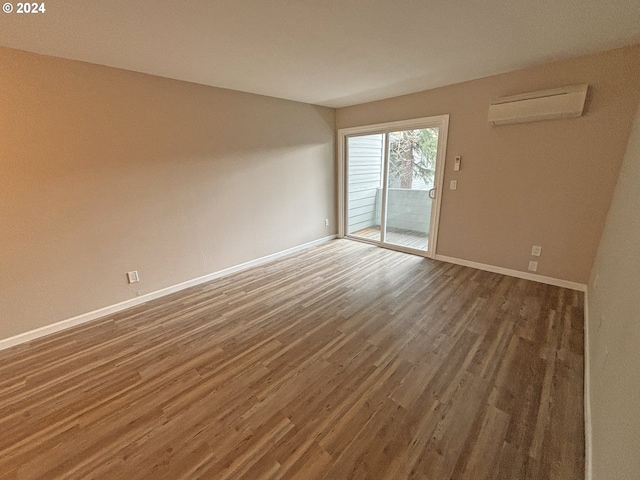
x=365 y=181
x=392 y=183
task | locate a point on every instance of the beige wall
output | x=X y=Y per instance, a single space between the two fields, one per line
x=614 y=329
x=546 y=183
x=103 y=171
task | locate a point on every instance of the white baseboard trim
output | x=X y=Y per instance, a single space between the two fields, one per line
x=101 y=312
x=514 y=273
x=588 y=448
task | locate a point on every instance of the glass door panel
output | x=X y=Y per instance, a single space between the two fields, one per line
x=410 y=187
x=365 y=173
x=391 y=182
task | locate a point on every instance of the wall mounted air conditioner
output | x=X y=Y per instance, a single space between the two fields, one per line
x=565 y=102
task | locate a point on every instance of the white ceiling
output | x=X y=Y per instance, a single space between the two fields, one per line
x=328 y=52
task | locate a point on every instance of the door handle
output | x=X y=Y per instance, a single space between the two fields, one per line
x=432 y=193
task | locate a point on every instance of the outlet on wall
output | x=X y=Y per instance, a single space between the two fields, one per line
x=326 y=222
x=533 y=266
x=536 y=250
x=133 y=277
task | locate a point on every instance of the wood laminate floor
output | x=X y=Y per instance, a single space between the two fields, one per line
x=345 y=361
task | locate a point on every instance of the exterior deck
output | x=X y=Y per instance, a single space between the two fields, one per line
x=396 y=236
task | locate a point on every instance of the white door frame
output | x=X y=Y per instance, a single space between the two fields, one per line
x=441 y=121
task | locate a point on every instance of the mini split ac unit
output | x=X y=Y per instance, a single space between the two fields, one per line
x=565 y=102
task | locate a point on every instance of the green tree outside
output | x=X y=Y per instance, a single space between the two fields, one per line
x=412 y=155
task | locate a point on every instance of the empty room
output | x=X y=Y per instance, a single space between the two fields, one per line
x=320 y=240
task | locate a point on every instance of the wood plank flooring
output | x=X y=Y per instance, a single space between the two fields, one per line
x=345 y=361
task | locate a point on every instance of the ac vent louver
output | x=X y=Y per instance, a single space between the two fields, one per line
x=565 y=102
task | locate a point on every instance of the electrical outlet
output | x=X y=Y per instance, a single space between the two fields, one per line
x=536 y=250
x=141 y=292
x=326 y=222
x=453 y=184
x=533 y=266
x=133 y=276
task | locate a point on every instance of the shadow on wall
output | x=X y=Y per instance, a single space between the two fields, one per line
x=123 y=116
x=104 y=171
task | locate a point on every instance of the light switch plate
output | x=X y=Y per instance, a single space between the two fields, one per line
x=453 y=184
